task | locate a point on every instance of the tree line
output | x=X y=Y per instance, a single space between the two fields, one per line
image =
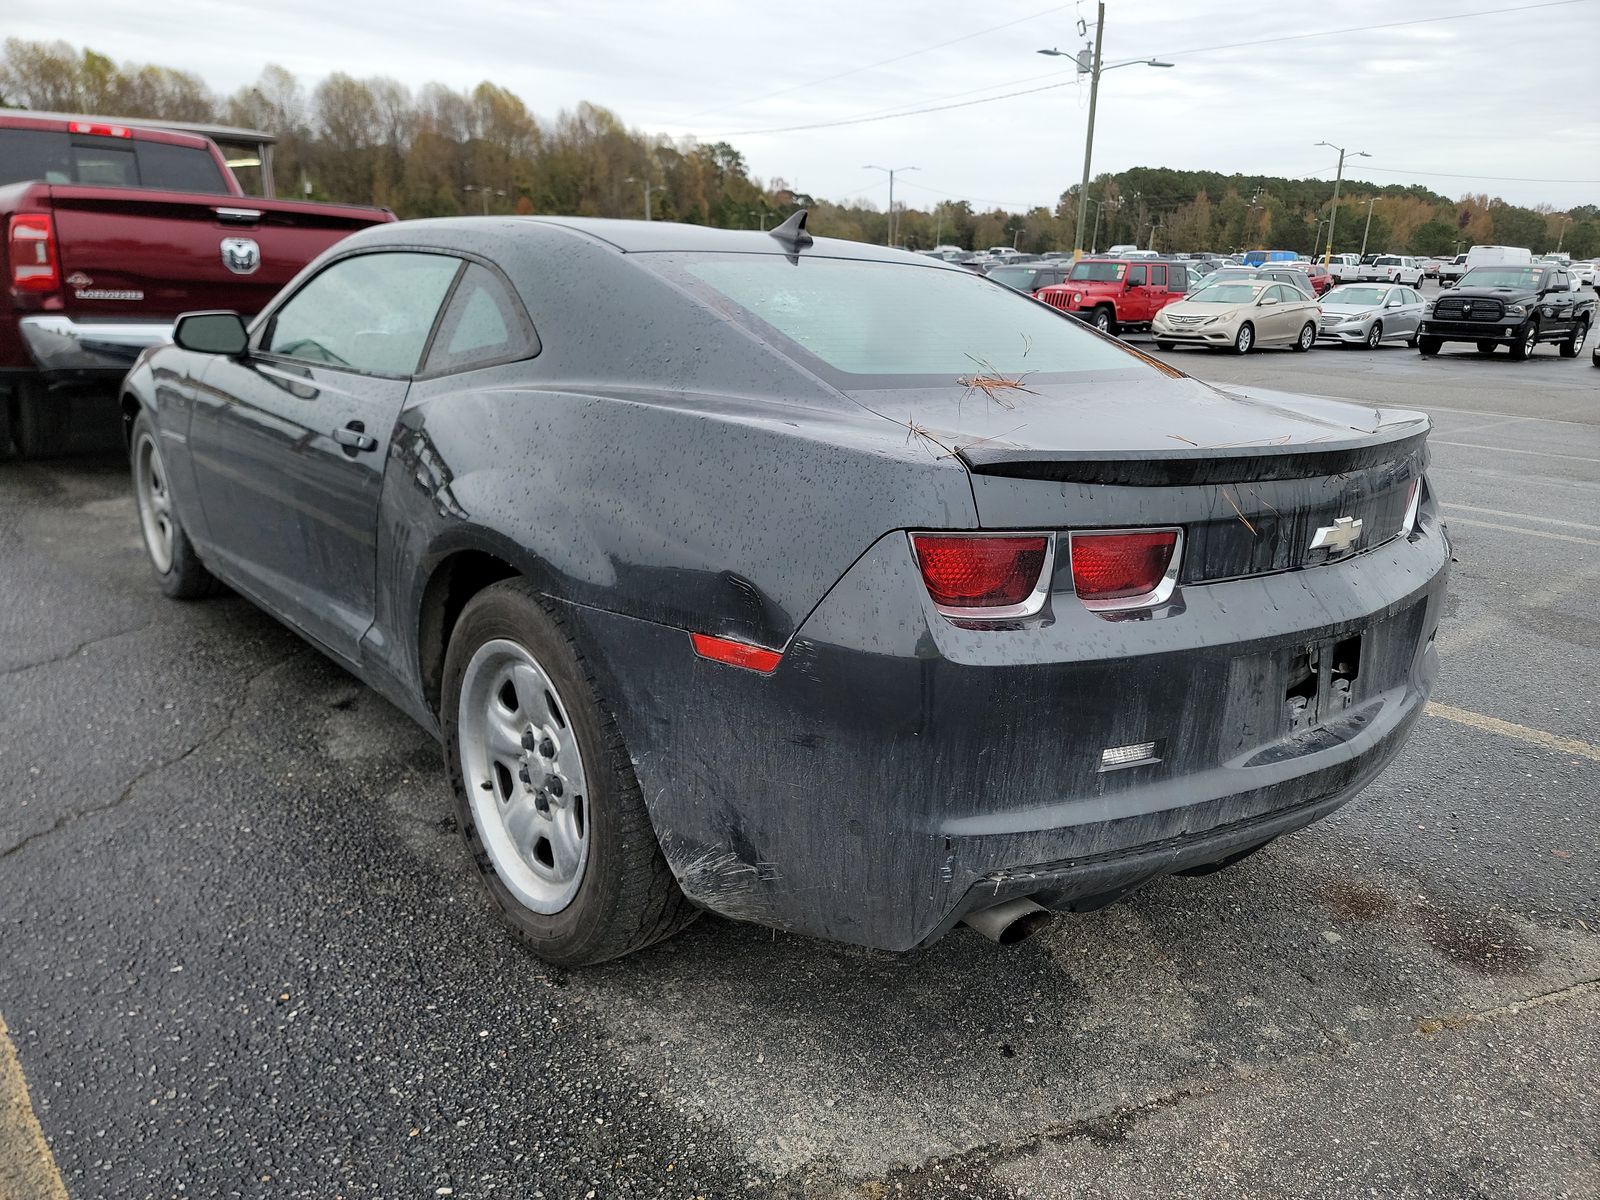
x=435 y=151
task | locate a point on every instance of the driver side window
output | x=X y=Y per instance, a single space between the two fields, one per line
x=371 y=313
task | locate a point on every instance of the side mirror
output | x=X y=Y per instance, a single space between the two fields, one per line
x=1266 y=300
x=211 y=333
x=1395 y=303
x=1444 y=283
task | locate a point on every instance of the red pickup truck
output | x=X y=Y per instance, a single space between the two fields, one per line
x=108 y=231
x=1117 y=294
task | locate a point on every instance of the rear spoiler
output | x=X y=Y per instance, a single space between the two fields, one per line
x=1401 y=443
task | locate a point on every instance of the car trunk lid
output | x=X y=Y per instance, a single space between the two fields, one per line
x=1251 y=477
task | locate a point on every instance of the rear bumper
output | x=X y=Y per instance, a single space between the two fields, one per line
x=64 y=348
x=897 y=771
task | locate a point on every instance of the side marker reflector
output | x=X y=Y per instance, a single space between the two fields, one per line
x=736 y=654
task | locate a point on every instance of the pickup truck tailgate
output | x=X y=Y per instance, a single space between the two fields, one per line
x=153 y=255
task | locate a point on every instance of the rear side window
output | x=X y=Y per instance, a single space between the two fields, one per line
x=178 y=168
x=1136 y=276
x=484 y=324
x=371 y=313
x=34 y=154
x=1177 y=277
x=1158 y=275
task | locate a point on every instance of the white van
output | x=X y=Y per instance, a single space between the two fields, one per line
x=1498 y=256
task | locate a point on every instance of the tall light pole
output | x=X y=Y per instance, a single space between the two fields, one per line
x=1089 y=64
x=1565 y=221
x=1333 y=212
x=892 y=172
x=485 y=192
x=1368 y=228
x=648 y=188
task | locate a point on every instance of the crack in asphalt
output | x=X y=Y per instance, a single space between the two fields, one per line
x=69 y=818
x=1113 y=1125
x=76 y=650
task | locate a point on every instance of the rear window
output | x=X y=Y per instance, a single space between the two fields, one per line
x=889 y=319
x=42 y=155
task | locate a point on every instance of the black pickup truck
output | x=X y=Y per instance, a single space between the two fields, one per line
x=1515 y=306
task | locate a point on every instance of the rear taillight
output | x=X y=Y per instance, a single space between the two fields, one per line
x=34 y=266
x=1128 y=568
x=984 y=575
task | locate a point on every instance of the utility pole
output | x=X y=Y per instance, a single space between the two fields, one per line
x=1565 y=221
x=1333 y=212
x=1368 y=228
x=1090 y=64
x=891 y=172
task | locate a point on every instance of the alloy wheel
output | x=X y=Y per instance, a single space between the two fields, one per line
x=1375 y=335
x=155 y=502
x=524 y=772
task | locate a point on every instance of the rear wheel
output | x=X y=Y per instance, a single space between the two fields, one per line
x=1574 y=343
x=1244 y=339
x=1522 y=349
x=177 y=567
x=1428 y=345
x=1375 y=335
x=1307 y=338
x=545 y=793
x=1103 y=321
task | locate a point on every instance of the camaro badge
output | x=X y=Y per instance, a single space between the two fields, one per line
x=1339 y=537
x=241 y=255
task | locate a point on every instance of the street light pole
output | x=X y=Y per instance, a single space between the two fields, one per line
x=1562 y=236
x=1089 y=64
x=1333 y=212
x=891 y=172
x=1368 y=228
x=648 y=188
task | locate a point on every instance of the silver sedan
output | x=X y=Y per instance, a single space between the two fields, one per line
x=1369 y=314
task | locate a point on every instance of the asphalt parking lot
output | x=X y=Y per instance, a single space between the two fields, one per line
x=244 y=953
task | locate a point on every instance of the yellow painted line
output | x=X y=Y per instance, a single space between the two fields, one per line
x=1495 y=512
x=1521 y=733
x=27 y=1169
x=1544 y=533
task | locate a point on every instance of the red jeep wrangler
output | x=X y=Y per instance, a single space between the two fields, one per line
x=1114 y=294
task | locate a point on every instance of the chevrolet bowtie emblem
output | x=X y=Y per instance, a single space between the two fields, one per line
x=1339 y=537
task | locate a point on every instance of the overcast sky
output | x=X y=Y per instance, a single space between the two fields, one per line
x=1468 y=100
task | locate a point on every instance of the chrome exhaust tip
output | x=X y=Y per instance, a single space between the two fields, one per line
x=1010 y=922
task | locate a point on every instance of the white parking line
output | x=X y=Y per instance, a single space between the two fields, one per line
x=1473 y=412
x=1544 y=533
x=1521 y=733
x=1513 y=450
x=1495 y=512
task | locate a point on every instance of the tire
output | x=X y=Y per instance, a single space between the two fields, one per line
x=1574 y=342
x=1104 y=321
x=1307 y=338
x=1522 y=349
x=1428 y=345
x=1160 y=345
x=1244 y=341
x=1487 y=347
x=1374 y=336
x=614 y=892
x=1412 y=341
x=172 y=556
x=50 y=423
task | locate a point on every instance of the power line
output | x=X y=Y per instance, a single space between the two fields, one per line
x=966 y=37
x=1495 y=178
x=912 y=112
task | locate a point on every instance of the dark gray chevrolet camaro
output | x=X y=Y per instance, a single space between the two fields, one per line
x=818 y=585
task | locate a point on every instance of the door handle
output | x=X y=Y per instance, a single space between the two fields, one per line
x=355 y=439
